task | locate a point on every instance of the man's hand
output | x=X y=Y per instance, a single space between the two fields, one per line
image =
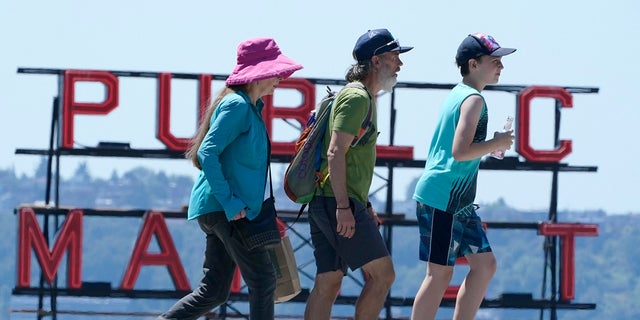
x=374 y=215
x=346 y=224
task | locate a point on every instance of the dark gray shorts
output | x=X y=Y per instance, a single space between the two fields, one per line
x=335 y=252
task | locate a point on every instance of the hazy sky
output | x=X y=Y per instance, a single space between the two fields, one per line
x=563 y=43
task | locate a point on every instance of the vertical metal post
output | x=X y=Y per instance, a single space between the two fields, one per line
x=388 y=228
x=553 y=244
x=47 y=199
x=553 y=217
x=56 y=217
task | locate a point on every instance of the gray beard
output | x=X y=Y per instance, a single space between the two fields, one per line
x=389 y=84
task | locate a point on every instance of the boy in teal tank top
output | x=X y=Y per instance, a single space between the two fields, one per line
x=449 y=226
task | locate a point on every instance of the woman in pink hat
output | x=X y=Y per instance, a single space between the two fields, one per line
x=231 y=151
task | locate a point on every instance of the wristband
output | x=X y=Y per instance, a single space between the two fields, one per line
x=368 y=204
x=345 y=208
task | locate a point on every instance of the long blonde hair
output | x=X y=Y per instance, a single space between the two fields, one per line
x=194 y=144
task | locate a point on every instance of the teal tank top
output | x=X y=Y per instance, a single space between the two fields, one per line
x=447 y=184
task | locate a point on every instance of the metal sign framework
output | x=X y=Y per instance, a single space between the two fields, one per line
x=52 y=222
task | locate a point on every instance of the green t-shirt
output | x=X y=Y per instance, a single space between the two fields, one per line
x=349 y=110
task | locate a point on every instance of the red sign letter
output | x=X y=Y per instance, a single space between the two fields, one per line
x=70 y=107
x=524 y=109
x=163 y=131
x=69 y=238
x=154 y=225
x=568 y=232
x=300 y=113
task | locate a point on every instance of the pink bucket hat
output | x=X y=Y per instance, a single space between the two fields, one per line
x=259 y=59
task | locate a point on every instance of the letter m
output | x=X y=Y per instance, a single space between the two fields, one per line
x=69 y=239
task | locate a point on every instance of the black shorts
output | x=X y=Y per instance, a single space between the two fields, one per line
x=335 y=252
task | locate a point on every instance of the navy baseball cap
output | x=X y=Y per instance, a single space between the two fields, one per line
x=375 y=42
x=479 y=44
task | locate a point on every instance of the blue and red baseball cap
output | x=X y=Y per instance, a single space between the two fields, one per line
x=479 y=44
x=375 y=42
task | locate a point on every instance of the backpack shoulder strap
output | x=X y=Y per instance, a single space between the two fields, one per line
x=359 y=85
x=366 y=122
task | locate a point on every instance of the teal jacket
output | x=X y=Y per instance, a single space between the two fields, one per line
x=233 y=157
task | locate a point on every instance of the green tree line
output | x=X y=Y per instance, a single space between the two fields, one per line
x=607 y=271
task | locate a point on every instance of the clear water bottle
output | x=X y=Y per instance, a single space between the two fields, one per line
x=499 y=154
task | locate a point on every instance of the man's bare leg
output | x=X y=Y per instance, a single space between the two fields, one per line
x=325 y=290
x=376 y=288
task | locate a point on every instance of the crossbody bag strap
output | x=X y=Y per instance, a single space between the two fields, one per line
x=269 y=166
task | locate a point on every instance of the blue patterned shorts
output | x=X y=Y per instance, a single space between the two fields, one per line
x=444 y=237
